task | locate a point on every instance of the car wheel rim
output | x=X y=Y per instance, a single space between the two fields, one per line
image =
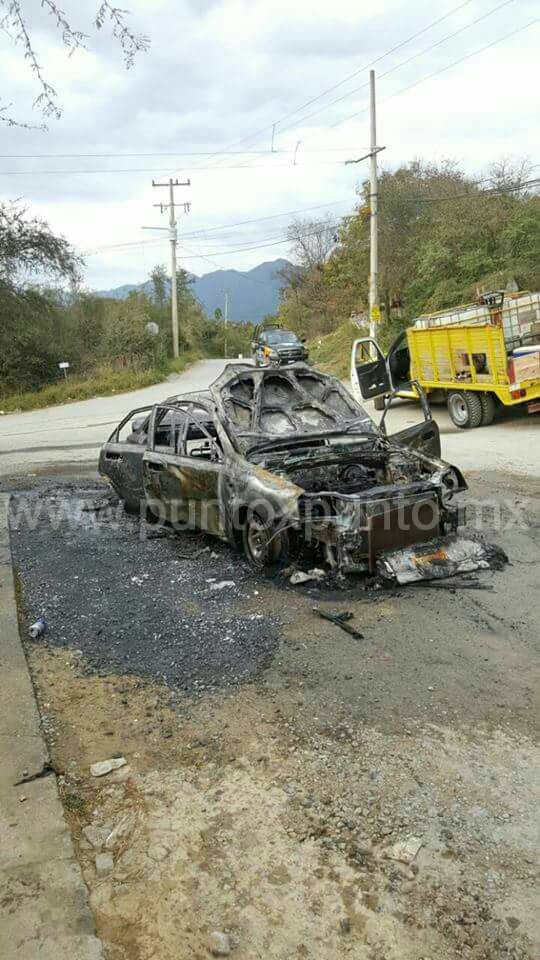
x=459 y=409
x=257 y=538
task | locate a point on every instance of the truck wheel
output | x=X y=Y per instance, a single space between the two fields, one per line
x=378 y=403
x=465 y=409
x=488 y=408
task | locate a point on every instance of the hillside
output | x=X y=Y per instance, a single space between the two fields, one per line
x=252 y=293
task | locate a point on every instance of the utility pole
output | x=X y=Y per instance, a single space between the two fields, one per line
x=374 y=312
x=173 y=237
x=226 y=322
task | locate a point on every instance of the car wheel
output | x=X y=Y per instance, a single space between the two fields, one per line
x=265 y=545
x=488 y=408
x=465 y=409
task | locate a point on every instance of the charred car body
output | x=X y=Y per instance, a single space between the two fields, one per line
x=275 y=459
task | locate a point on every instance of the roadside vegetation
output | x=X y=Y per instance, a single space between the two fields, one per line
x=443 y=238
x=111 y=345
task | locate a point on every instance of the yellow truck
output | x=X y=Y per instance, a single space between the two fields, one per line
x=475 y=357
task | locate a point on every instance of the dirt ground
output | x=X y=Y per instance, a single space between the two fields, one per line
x=264 y=798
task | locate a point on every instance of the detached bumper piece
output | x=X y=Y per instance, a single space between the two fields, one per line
x=443 y=557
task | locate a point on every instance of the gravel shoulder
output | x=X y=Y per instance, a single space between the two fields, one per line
x=273 y=761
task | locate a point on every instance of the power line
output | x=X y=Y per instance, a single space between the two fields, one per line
x=366 y=66
x=436 y=73
x=404 y=63
x=259 y=166
x=496 y=191
x=195 y=153
x=226 y=226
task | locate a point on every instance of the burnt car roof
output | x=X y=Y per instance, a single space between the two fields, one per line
x=264 y=404
x=196 y=396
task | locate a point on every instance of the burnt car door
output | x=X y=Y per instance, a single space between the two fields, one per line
x=189 y=474
x=375 y=376
x=166 y=429
x=121 y=457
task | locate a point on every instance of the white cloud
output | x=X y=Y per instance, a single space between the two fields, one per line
x=219 y=71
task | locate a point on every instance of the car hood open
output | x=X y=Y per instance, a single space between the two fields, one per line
x=261 y=405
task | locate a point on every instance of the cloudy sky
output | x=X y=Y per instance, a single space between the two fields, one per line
x=218 y=76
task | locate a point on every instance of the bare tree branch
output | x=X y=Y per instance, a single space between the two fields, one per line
x=15 y=19
x=130 y=42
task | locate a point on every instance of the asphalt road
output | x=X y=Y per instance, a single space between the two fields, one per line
x=73 y=432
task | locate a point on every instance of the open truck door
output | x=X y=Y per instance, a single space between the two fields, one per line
x=374 y=375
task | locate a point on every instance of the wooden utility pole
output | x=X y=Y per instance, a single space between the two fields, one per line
x=226 y=322
x=173 y=237
x=374 y=312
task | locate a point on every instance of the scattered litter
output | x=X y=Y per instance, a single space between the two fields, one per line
x=38 y=628
x=405 y=850
x=222 y=585
x=340 y=620
x=438 y=560
x=199 y=553
x=219 y=944
x=106 y=766
x=121 y=831
x=140 y=580
x=299 y=576
x=104 y=864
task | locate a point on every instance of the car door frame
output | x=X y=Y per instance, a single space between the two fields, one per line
x=121 y=461
x=424 y=437
x=179 y=471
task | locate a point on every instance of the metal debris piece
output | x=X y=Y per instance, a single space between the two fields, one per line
x=405 y=850
x=434 y=561
x=102 y=767
x=340 y=620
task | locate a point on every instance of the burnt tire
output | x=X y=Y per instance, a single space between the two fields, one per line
x=265 y=545
x=489 y=408
x=465 y=409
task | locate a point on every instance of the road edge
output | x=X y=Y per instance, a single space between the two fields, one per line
x=45 y=908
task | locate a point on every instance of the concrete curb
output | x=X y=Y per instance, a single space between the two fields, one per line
x=44 y=909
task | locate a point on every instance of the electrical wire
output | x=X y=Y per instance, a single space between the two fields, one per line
x=436 y=73
x=366 y=66
x=195 y=153
x=404 y=63
x=260 y=166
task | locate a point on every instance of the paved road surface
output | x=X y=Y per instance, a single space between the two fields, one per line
x=73 y=433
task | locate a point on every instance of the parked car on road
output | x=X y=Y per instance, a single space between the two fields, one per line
x=274 y=347
x=282 y=460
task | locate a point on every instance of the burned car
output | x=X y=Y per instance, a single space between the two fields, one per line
x=278 y=460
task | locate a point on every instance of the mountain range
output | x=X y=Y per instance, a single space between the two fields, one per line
x=252 y=293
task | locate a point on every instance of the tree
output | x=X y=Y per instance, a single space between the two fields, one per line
x=443 y=237
x=159 y=279
x=312 y=241
x=15 y=22
x=29 y=249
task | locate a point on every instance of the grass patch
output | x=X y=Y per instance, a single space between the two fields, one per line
x=332 y=353
x=103 y=383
